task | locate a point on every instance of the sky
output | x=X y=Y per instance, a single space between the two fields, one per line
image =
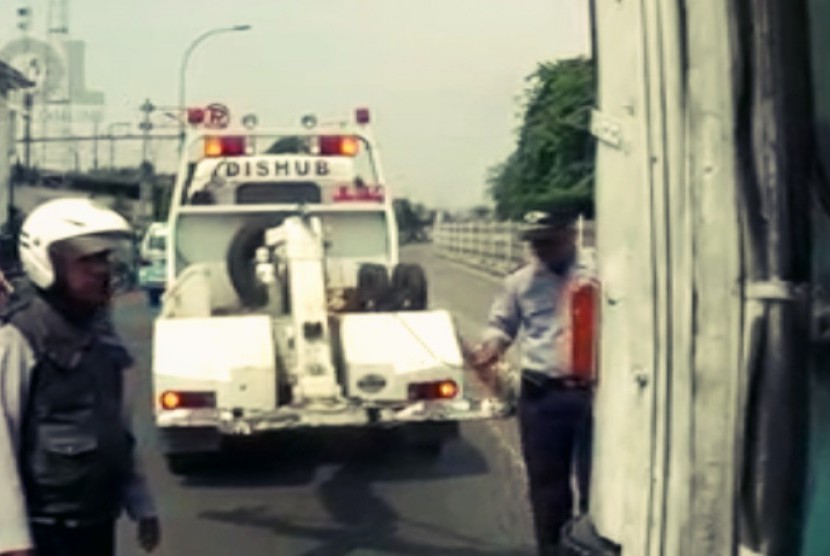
x=443 y=78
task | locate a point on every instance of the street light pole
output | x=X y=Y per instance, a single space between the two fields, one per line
x=196 y=42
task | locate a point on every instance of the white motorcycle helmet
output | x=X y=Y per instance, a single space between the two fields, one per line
x=88 y=226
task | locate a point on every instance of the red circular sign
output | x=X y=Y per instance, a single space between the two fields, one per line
x=217 y=116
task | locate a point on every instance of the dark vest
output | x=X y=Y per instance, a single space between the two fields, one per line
x=75 y=453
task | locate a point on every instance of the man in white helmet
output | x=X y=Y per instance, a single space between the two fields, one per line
x=68 y=467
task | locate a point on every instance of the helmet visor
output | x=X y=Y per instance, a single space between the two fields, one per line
x=84 y=246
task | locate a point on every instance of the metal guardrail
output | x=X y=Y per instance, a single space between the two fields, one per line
x=494 y=247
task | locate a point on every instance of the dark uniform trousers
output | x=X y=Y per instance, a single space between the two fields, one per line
x=555 y=422
x=61 y=539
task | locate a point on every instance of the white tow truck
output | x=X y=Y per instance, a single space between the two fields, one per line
x=286 y=306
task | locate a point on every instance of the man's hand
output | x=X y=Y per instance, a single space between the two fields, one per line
x=149 y=533
x=483 y=356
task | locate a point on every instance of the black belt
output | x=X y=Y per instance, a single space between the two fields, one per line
x=541 y=380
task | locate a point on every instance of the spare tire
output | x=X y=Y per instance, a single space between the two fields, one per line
x=372 y=286
x=240 y=261
x=409 y=287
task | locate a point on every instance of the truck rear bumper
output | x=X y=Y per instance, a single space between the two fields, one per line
x=181 y=426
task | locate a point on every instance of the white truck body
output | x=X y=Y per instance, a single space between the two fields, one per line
x=303 y=357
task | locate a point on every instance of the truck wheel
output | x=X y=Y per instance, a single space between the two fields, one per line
x=154 y=297
x=372 y=286
x=409 y=282
x=184 y=464
x=241 y=269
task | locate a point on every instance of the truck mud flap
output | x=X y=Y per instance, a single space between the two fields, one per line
x=580 y=538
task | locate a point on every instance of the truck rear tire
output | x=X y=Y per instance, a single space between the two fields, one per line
x=372 y=286
x=409 y=287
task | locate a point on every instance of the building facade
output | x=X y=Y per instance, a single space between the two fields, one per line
x=10 y=80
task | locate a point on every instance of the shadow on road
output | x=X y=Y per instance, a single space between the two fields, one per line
x=377 y=531
x=293 y=458
x=358 y=519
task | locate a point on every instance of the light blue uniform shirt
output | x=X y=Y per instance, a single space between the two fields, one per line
x=531 y=310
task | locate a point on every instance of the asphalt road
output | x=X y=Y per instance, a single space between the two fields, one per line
x=311 y=495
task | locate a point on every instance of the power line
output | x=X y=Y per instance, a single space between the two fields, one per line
x=128 y=137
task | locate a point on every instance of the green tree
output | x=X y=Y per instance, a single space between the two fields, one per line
x=552 y=166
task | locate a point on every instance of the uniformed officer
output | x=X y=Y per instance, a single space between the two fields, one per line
x=67 y=463
x=554 y=407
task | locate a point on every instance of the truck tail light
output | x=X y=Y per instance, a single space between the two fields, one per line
x=228 y=145
x=584 y=305
x=172 y=399
x=339 y=145
x=440 y=390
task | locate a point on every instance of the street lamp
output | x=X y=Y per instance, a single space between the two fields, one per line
x=196 y=42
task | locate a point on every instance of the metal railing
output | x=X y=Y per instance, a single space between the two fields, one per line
x=495 y=247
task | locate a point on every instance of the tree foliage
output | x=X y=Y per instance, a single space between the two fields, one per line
x=552 y=166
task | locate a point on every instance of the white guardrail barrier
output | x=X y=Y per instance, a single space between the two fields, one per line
x=495 y=247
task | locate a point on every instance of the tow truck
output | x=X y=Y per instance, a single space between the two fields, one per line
x=287 y=306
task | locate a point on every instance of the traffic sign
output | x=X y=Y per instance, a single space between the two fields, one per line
x=218 y=116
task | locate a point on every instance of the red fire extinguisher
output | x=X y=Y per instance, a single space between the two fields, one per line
x=584 y=315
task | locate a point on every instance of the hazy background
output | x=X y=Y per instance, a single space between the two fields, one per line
x=442 y=77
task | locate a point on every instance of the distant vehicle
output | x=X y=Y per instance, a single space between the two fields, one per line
x=55 y=182
x=152 y=272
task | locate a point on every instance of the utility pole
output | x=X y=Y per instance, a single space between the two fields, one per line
x=95 y=147
x=27 y=132
x=146 y=178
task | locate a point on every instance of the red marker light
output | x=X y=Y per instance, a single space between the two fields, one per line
x=362 y=116
x=195 y=116
x=346 y=193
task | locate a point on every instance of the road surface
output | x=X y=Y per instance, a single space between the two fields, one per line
x=311 y=496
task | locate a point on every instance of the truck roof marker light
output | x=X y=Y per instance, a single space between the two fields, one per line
x=362 y=116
